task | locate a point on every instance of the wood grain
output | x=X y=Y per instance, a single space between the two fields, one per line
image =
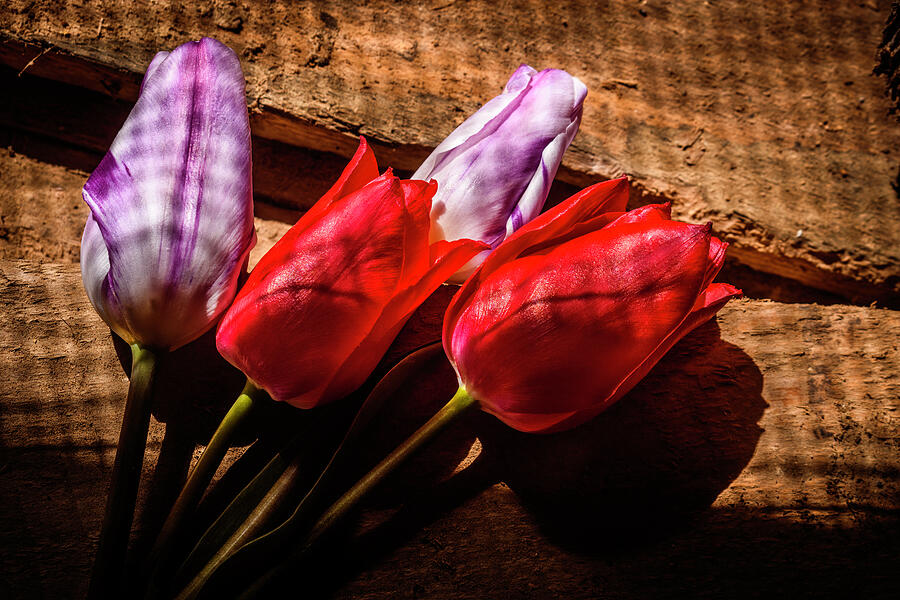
x=765 y=119
x=42 y=215
x=764 y=449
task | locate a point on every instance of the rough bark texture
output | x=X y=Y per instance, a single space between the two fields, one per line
x=764 y=118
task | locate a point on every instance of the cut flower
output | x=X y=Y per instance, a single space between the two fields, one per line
x=323 y=305
x=571 y=311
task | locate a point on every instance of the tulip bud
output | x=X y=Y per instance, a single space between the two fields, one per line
x=171 y=220
x=569 y=313
x=322 y=306
x=495 y=170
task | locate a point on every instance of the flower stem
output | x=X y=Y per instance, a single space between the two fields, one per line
x=254 y=520
x=219 y=534
x=110 y=560
x=239 y=550
x=457 y=406
x=199 y=479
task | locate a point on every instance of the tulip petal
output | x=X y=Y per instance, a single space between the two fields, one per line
x=94 y=269
x=706 y=306
x=535 y=422
x=172 y=198
x=495 y=170
x=154 y=64
x=556 y=223
x=649 y=213
x=449 y=259
x=591 y=202
x=532 y=199
x=710 y=301
x=717 y=250
x=361 y=169
x=424 y=269
x=626 y=288
x=479 y=125
x=332 y=297
x=417 y=197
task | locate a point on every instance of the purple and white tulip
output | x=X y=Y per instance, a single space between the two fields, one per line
x=171 y=221
x=495 y=170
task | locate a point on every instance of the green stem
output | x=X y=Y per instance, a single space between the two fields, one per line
x=252 y=525
x=457 y=406
x=126 y=476
x=241 y=551
x=222 y=530
x=199 y=479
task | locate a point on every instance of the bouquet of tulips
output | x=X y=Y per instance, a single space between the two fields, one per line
x=558 y=316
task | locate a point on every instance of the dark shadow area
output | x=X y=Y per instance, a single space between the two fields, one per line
x=719 y=553
x=667 y=449
x=766 y=286
x=194 y=388
x=403 y=412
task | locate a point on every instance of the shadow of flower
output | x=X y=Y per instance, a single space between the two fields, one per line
x=668 y=448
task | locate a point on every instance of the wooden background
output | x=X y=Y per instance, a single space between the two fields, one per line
x=761 y=457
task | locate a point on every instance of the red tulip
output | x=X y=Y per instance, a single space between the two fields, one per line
x=323 y=305
x=561 y=320
x=574 y=308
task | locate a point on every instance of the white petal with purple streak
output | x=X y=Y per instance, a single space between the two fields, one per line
x=494 y=171
x=172 y=201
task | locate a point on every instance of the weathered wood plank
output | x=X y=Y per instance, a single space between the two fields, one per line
x=764 y=119
x=42 y=216
x=764 y=451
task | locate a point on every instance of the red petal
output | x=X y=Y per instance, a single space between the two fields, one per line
x=361 y=169
x=398 y=311
x=558 y=332
x=706 y=306
x=535 y=423
x=593 y=201
x=315 y=297
x=649 y=213
x=589 y=203
x=717 y=250
x=416 y=197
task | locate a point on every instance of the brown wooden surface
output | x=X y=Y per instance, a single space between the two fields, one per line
x=764 y=118
x=761 y=458
x=784 y=418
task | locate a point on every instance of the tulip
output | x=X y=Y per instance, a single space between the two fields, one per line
x=169 y=232
x=559 y=322
x=574 y=310
x=323 y=305
x=495 y=170
x=171 y=221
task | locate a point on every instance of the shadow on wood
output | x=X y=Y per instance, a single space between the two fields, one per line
x=667 y=449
